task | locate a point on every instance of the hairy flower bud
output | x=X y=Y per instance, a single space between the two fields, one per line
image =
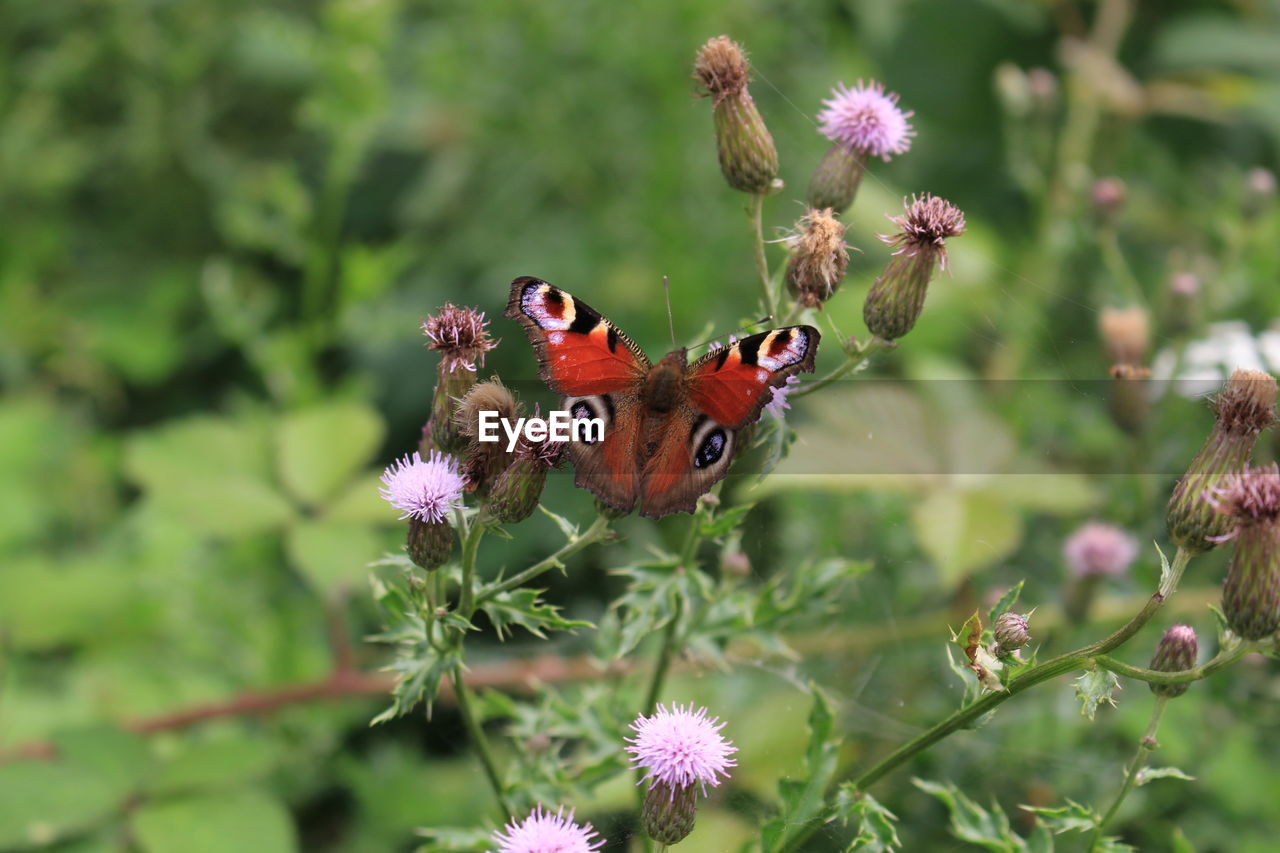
x=669 y=813
x=1250 y=502
x=485 y=459
x=1011 y=633
x=1175 y=652
x=896 y=299
x=819 y=258
x=1244 y=408
x=429 y=543
x=748 y=158
x=460 y=336
x=835 y=182
x=515 y=493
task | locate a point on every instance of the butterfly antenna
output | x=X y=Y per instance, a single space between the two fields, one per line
x=671 y=322
x=766 y=318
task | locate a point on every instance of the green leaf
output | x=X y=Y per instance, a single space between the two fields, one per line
x=215 y=823
x=359 y=502
x=118 y=756
x=1073 y=817
x=456 y=840
x=41 y=802
x=971 y=822
x=322 y=448
x=725 y=521
x=1148 y=774
x=1095 y=687
x=1006 y=601
x=332 y=554
x=963 y=531
x=523 y=607
x=874 y=823
x=802 y=799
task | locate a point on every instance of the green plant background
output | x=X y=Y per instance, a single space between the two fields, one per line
x=223 y=222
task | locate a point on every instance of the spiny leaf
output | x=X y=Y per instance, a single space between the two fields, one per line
x=1095 y=687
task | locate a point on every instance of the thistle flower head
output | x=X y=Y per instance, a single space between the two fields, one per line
x=925 y=226
x=460 y=335
x=681 y=746
x=866 y=119
x=721 y=68
x=778 y=405
x=1098 y=549
x=1249 y=496
x=426 y=490
x=819 y=257
x=544 y=832
x=1247 y=405
x=1175 y=652
x=1011 y=632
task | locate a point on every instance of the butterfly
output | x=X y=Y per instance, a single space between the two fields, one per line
x=671 y=428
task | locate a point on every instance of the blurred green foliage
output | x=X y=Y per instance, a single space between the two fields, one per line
x=223 y=222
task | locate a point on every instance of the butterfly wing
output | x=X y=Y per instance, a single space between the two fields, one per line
x=695 y=445
x=598 y=370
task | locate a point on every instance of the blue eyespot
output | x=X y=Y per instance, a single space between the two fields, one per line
x=710 y=450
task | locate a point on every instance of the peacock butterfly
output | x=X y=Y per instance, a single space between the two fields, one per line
x=671 y=428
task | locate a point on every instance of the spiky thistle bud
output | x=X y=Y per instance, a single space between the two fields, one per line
x=516 y=491
x=748 y=158
x=896 y=299
x=1250 y=502
x=819 y=257
x=862 y=122
x=1175 y=652
x=1244 y=408
x=1011 y=633
x=485 y=459
x=426 y=492
x=461 y=337
x=680 y=750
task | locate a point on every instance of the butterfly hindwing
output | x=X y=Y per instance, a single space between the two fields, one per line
x=579 y=352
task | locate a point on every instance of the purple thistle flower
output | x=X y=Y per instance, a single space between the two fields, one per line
x=1098 y=549
x=460 y=335
x=778 y=405
x=544 y=832
x=866 y=119
x=427 y=491
x=925 y=226
x=680 y=747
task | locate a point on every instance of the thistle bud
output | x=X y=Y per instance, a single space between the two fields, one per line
x=748 y=158
x=1244 y=408
x=1128 y=401
x=861 y=122
x=896 y=299
x=819 y=258
x=1125 y=333
x=1109 y=195
x=1175 y=652
x=669 y=813
x=1010 y=633
x=429 y=543
x=1182 y=304
x=460 y=336
x=485 y=459
x=1250 y=502
x=516 y=491
x=1259 y=192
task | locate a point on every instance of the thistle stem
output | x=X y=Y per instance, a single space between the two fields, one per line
x=597 y=532
x=1224 y=658
x=963 y=717
x=854 y=361
x=462 y=695
x=1145 y=747
x=756 y=211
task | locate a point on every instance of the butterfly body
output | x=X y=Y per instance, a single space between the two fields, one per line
x=670 y=428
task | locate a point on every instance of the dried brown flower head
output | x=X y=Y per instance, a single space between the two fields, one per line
x=721 y=68
x=1248 y=402
x=819 y=257
x=460 y=335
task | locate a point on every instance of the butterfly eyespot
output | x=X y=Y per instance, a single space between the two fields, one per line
x=595 y=408
x=710 y=449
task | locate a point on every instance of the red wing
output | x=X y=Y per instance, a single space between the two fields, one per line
x=579 y=352
x=732 y=385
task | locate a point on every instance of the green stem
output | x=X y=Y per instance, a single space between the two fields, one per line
x=462 y=694
x=470 y=548
x=855 y=360
x=663 y=665
x=1224 y=658
x=1145 y=746
x=1117 y=267
x=963 y=717
x=756 y=211
x=597 y=532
